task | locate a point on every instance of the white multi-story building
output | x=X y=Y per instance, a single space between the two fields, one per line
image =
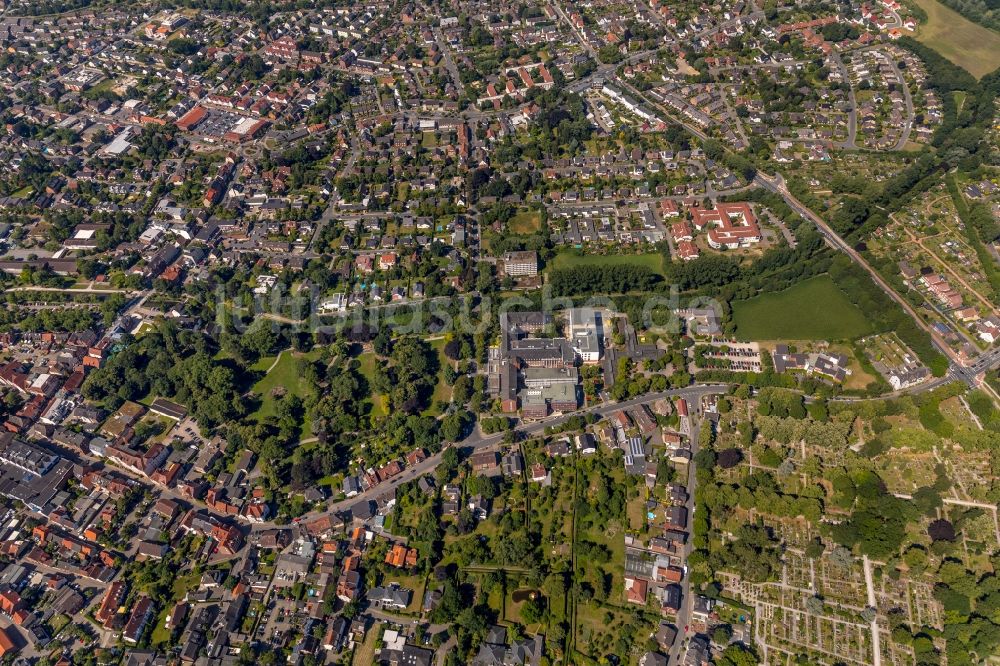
x=586 y=333
x=517 y=264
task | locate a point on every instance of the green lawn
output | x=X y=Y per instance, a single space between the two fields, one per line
x=285 y=374
x=263 y=363
x=402 y=192
x=812 y=310
x=512 y=610
x=960 y=97
x=367 y=370
x=107 y=85
x=364 y=653
x=525 y=222
x=652 y=260
x=442 y=392
x=182 y=585
x=967 y=44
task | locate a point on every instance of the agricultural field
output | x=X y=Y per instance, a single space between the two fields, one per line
x=967 y=44
x=811 y=310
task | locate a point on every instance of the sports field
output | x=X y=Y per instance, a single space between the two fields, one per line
x=812 y=310
x=967 y=44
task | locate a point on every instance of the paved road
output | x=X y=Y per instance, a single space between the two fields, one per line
x=710 y=193
x=478 y=440
x=777 y=185
x=330 y=212
x=386 y=616
x=876 y=643
x=446 y=647
x=908 y=99
x=449 y=61
x=735 y=119
x=366 y=310
x=852 y=116
x=605 y=72
x=557 y=7
x=687 y=600
x=668 y=114
x=89 y=289
x=983 y=362
x=38 y=307
x=966 y=371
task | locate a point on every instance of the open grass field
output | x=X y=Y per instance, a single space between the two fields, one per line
x=182 y=584
x=635 y=509
x=367 y=370
x=525 y=222
x=283 y=375
x=364 y=653
x=859 y=378
x=652 y=260
x=402 y=192
x=960 y=97
x=262 y=364
x=811 y=310
x=442 y=392
x=512 y=610
x=967 y=44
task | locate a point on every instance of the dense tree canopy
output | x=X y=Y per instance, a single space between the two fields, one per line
x=169 y=363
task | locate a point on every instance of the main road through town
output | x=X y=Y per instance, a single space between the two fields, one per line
x=478 y=440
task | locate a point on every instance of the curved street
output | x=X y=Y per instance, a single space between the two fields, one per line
x=478 y=440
